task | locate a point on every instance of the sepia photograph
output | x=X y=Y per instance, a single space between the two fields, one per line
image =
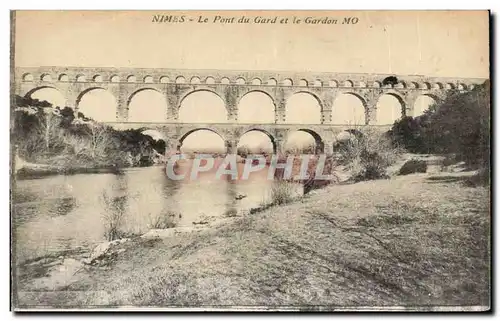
x=250 y=160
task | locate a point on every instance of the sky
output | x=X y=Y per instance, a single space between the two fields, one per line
x=432 y=43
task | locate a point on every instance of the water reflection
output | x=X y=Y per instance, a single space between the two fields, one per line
x=64 y=212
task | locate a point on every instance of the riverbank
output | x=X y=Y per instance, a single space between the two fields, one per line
x=39 y=171
x=420 y=239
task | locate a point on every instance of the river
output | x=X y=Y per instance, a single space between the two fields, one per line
x=63 y=212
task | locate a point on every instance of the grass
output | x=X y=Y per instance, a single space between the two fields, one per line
x=407 y=241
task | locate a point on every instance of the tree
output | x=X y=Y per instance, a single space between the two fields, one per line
x=459 y=125
x=99 y=140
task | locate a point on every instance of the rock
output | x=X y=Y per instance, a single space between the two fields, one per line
x=120 y=251
x=413 y=166
x=99 y=251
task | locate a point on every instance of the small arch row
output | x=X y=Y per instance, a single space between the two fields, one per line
x=28 y=77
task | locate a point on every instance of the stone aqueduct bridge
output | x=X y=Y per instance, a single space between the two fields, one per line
x=231 y=86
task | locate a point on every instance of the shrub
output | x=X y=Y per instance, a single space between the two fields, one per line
x=369 y=155
x=163 y=220
x=413 y=166
x=114 y=212
x=281 y=192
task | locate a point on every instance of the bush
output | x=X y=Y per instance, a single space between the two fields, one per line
x=163 y=220
x=368 y=156
x=114 y=213
x=281 y=192
x=410 y=133
x=413 y=166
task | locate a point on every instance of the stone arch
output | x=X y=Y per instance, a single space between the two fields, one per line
x=240 y=81
x=195 y=80
x=400 y=85
x=62 y=99
x=419 y=107
x=180 y=80
x=333 y=83
x=185 y=134
x=80 y=78
x=148 y=79
x=376 y=84
x=98 y=109
x=425 y=85
x=472 y=86
x=385 y=117
x=272 y=82
x=84 y=92
x=449 y=86
x=63 y=77
x=361 y=84
x=131 y=78
x=413 y=85
x=315 y=96
x=225 y=81
x=348 y=84
x=210 y=80
x=260 y=109
x=156 y=112
x=318 y=83
x=318 y=140
x=437 y=85
x=462 y=86
x=114 y=78
x=159 y=137
x=303 y=83
x=164 y=80
x=204 y=90
x=27 y=77
x=295 y=113
x=349 y=108
x=46 y=77
x=97 y=78
x=256 y=82
x=272 y=139
x=287 y=82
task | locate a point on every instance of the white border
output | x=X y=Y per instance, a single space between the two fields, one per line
x=180 y=5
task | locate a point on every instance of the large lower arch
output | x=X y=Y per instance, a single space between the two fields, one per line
x=158 y=140
x=147 y=105
x=202 y=106
x=256 y=140
x=422 y=103
x=303 y=108
x=49 y=94
x=97 y=103
x=349 y=109
x=202 y=140
x=256 y=107
x=303 y=141
x=390 y=107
